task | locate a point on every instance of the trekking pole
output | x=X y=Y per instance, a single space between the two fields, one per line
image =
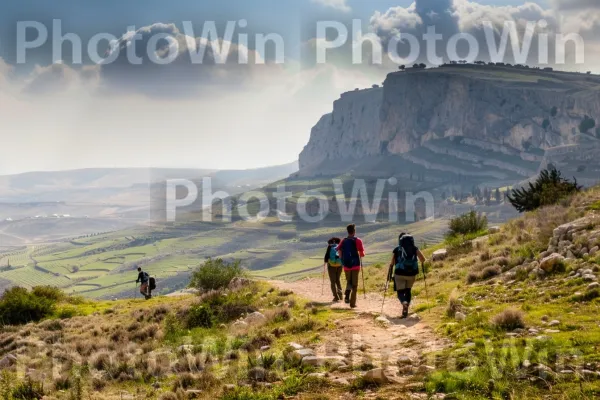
x=425 y=280
x=362 y=271
x=387 y=285
x=323 y=284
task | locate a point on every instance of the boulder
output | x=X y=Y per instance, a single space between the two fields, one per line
x=295 y=346
x=494 y=229
x=554 y=323
x=239 y=326
x=594 y=250
x=300 y=354
x=404 y=360
x=593 y=285
x=459 y=316
x=439 y=255
x=376 y=376
x=382 y=320
x=589 y=278
x=549 y=263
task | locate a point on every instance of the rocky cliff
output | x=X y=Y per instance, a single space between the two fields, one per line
x=508 y=110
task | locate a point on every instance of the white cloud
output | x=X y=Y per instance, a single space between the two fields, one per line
x=340 y=5
x=575 y=4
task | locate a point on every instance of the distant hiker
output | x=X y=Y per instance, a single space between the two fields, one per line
x=334 y=268
x=351 y=251
x=144 y=278
x=404 y=269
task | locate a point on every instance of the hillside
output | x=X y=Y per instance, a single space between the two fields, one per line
x=509 y=314
x=500 y=113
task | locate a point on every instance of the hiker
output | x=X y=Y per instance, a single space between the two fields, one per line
x=351 y=251
x=144 y=278
x=334 y=268
x=404 y=269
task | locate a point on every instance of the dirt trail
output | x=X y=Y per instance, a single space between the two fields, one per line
x=399 y=346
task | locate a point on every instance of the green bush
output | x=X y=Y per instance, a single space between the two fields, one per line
x=49 y=292
x=548 y=189
x=199 y=316
x=215 y=274
x=468 y=223
x=19 y=306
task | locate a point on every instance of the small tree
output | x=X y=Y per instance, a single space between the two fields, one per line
x=548 y=189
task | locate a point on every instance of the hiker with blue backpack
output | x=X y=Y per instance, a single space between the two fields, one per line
x=404 y=269
x=351 y=251
x=334 y=268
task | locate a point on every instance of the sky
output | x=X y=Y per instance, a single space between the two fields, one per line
x=58 y=112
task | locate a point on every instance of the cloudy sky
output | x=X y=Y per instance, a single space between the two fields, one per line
x=240 y=107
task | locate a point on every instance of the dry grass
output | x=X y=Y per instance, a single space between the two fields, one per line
x=454 y=304
x=509 y=320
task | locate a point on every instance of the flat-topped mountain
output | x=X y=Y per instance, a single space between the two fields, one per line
x=500 y=116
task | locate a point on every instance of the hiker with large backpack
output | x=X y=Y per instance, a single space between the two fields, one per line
x=404 y=269
x=334 y=268
x=351 y=251
x=148 y=283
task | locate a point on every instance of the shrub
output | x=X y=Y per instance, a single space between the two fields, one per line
x=490 y=272
x=28 y=389
x=19 y=306
x=509 y=320
x=454 y=304
x=471 y=222
x=548 y=189
x=215 y=274
x=587 y=296
x=48 y=292
x=199 y=316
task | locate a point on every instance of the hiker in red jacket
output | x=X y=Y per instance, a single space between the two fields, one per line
x=351 y=251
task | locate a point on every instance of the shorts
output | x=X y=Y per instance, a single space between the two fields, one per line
x=404 y=282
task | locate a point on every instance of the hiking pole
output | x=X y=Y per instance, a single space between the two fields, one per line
x=362 y=271
x=425 y=280
x=323 y=284
x=387 y=286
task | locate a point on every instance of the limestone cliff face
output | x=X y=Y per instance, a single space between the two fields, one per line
x=351 y=130
x=506 y=109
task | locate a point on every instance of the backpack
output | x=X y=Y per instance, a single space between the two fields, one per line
x=334 y=259
x=407 y=263
x=152 y=283
x=350 y=256
x=146 y=276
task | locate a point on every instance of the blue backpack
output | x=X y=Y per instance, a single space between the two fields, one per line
x=350 y=256
x=334 y=259
x=407 y=263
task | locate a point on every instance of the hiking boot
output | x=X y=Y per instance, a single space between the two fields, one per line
x=335 y=300
x=404 y=310
x=347 y=297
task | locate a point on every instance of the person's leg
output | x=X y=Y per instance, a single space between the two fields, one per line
x=338 y=282
x=348 y=286
x=331 y=272
x=355 y=275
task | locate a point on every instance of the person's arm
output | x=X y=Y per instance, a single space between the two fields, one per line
x=421 y=256
x=326 y=258
x=360 y=248
x=138 y=278
x=393 y=261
